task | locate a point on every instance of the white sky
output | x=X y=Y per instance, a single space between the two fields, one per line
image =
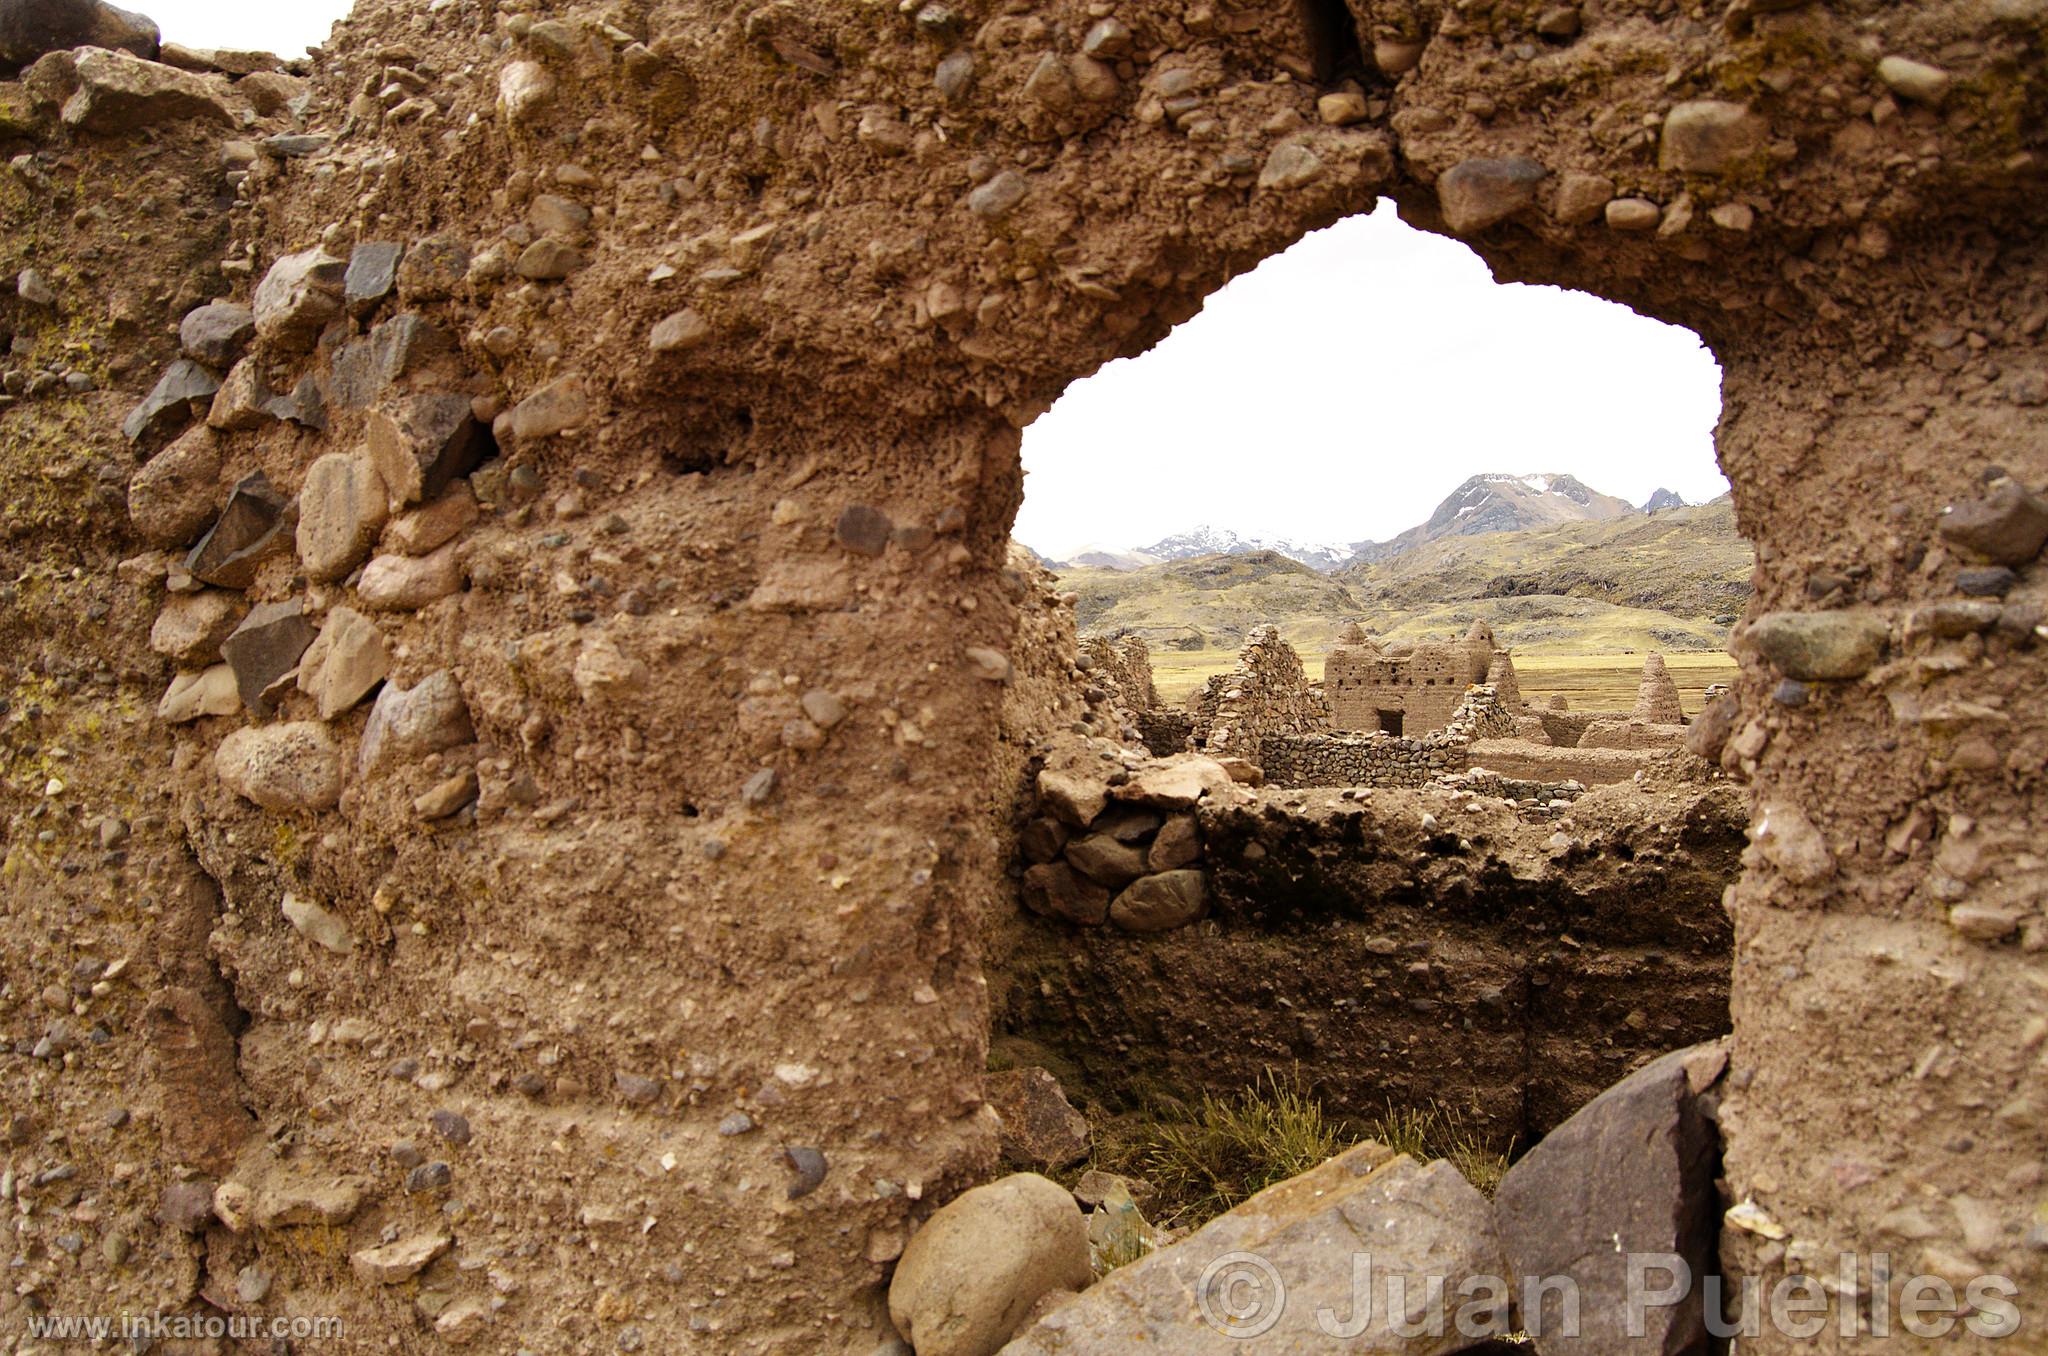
x=286 y=27
x=1335 y=393
x=1340 y=390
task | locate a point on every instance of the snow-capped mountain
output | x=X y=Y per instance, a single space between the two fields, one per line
x=1663 y=499
x=1502 y=503
x=1208 y=541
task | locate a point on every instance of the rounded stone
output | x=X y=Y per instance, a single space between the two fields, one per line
x=969 y=1276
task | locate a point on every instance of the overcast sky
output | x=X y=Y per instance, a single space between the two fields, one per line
x=286 y=27
x=1335 y=393
x=1340 y=390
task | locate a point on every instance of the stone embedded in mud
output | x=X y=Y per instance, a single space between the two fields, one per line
x=1075 y=797
x=446 y=796
x=1039 y=1128
x=422 y=443
x=679 y=331
x=266 y=647
x=1175 y=784
x=409 y=583
x=118 y=92
x=402 y=1260
x=318 y=924
x=995 y=199
x=1290 y=165
x=525 y=88
x=434 y=269
x=172 y=403
x=297 y=299
x=1820 y=646
x=249 y=528
x=603 y=672
x=992 y=665
x=1633 y=215
x=410 y=723
x=550 y=260
x=1631 y=1175
x=428 y=528
x=193 y=695
x=1041 y=840
x=969 y=1276
x=1424 y=1227
x=1987 y=581
x=186 y=1206
x=1476 y=194
x=291 y=768
x=1915 y=80
x=1056 y=890
x=371 y=275
x=344 y=662
x=1708 y=734
x=1160 y=903
x=1104 y=860
x=243 y=401
x=1178 y=844
x=638 y=1089
x=172 y=498
x=342 y=507
x=558 y=407
x=31 y=28
x=365 y=367
x=862 y=528
x=1581 y=197
x=1789 y=841
x=2007 y=526
x=216 y=333
x=1710 y=136
x=304 y=405
x=191 y=626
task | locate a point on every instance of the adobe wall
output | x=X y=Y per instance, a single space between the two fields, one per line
x=1424 y=683
x=764 y=298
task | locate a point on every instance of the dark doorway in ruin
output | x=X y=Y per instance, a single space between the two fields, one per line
x=1390 y=722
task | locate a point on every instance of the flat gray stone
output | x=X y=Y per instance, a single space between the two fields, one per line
x=266 y=647
x=372 y=274
x=216 y=333
x=249 y=528
x=1630 y=1175
x=170 y=405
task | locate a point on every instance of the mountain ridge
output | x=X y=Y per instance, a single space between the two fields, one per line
x=1483 y=504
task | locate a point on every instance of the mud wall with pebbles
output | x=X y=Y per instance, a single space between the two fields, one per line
x=678 y=1023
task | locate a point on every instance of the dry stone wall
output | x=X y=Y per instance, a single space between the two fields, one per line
x=1329 y=759
x=1267 y=694
x=753 y=305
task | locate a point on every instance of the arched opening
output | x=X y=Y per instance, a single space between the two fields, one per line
x=1438 y=570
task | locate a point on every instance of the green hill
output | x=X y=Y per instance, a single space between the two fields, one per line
x=1688 y=562
x=1209 y=602
x=1667 y=581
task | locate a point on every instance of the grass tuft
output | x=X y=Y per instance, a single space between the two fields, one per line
x=1235 y=1146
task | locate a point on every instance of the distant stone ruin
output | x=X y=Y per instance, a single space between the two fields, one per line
x=1399 y=716
x=1404 y=689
